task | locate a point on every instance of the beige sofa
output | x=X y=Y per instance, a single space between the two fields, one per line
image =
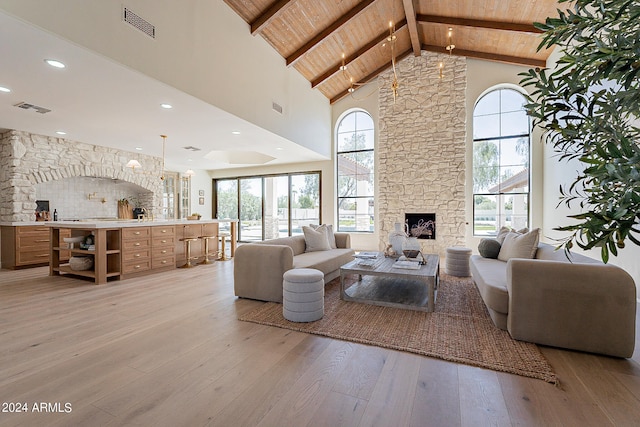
x=258 y=267
x=581 y=305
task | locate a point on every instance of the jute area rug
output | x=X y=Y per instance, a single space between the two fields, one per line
x=459 y=330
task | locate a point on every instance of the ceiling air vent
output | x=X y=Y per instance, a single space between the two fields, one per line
x=139 y=23
x=27 y=106
x=191 y=148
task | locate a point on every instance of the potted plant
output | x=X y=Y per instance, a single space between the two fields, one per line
x=588 y=108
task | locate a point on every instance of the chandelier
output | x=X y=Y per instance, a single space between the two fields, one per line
x=164 y=143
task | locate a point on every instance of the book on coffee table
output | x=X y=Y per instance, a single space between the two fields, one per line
x=407 y=265
x=367 y=255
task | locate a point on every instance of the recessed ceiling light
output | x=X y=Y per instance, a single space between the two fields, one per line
x=189 y=160
x=139 y=148
x=166 y=106
x=279 y=148
x=54 y=63
x=4 y=89
x=235 y=132
x=61 y=132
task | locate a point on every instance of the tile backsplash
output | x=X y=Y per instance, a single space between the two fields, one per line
x=86 y=197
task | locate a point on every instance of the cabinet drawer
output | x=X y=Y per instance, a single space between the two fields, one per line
x=132 y=267
x=164 y=241
x=163 y=262
x=33 y=241
x=163 y=252
x=138 y=255
x=34 y=229
x=129 y=245
x=163 y=231
x=32 y=257
x=135 y=233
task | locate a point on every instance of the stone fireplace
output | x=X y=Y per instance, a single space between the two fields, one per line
x=421 y=148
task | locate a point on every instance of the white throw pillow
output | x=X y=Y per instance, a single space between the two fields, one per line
x=518 y=245
x=330 y=236
x=316 y=240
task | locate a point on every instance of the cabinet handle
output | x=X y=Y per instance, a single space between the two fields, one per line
x=43 y=256
x=136 y=244
x=163 y=241
x=137 y=266
x=137 y=255
x=164 y=262
x=163 y=231
x=163 y=252
x=137 y=233
x=42 y=241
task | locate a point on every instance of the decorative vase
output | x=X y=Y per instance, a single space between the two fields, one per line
x=397 y=238
x=411 y=247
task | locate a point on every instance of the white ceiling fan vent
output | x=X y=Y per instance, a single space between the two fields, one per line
x=139 y=23
x=276 y=107
x=27 y=106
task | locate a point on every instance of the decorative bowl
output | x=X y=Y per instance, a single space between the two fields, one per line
x=410 y=253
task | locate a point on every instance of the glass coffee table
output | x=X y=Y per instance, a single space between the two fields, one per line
x=380 y=283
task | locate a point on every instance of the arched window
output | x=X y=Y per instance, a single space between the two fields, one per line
x=355 y=177
x=501 y=158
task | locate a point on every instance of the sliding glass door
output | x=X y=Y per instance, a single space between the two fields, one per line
x=269 y=206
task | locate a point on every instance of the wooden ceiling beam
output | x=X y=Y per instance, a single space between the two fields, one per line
x=478 y=23
x=488 y=56
x=347 y=60
x=335 y=26
x=410 y=13
x=372 y=75
x=269 y=15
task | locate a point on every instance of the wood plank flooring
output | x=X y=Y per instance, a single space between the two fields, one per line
x=168 y=350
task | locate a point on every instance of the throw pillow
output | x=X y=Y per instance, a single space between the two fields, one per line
x=489 y=248
x=518 y=245
x=316 y=240
x=330 y=235
x=502 y=233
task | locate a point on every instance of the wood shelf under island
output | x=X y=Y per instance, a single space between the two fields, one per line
x=128 y=248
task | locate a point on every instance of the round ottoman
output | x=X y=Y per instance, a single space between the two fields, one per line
x=457 y=261
x=303 y=295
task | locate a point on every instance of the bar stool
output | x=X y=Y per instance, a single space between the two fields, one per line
x=206 y=259
x=223 y=242
x=187 y=248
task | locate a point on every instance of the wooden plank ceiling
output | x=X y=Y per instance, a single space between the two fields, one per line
x=313 y=35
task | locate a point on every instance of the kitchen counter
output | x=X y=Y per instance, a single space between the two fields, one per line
x=116 y=223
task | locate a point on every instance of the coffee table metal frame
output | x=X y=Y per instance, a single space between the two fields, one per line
x=429 y=274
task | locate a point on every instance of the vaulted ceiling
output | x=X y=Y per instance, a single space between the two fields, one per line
x=313 y=35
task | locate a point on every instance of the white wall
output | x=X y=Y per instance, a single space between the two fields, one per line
x=201 y=181
x=202 y=48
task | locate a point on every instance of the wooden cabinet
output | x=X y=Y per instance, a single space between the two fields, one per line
x=193 y=231
x=28 y=246
x=163 y=245
x=136 y=249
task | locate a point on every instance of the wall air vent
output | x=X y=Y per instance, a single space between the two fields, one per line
x=191 y=148
x=139 y=23
x=276 y=107
x=27 y=106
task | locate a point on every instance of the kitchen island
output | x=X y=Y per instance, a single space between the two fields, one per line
x=127 y=248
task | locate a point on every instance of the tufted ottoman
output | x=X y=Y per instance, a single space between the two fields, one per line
x=303 y=295
x=457 y=261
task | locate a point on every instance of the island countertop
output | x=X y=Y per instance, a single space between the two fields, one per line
x=119 y=223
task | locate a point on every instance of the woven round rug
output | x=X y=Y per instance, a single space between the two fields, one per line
x=459 y=330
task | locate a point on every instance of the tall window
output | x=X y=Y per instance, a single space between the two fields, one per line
x=269 y=206
x=501 y=157
x=355 y=175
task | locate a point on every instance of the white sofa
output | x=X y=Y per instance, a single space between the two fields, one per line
x=581 y=305
x=259 y=267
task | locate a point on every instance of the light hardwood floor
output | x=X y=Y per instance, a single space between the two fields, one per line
x=168 y=350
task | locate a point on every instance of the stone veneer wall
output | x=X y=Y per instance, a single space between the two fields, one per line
x=27 y=159
x=421 y=147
